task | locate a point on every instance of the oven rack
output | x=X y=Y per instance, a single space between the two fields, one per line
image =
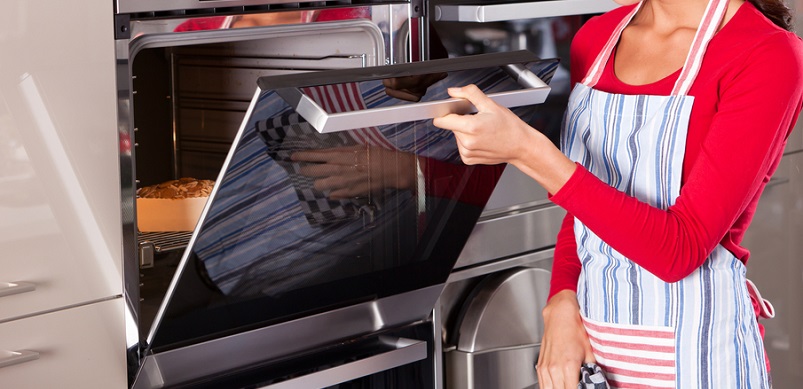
x=152 y=243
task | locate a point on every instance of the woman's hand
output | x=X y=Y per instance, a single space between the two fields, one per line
x=496 y=135
x=357 y=171
x=493 y=135
x=565 y=346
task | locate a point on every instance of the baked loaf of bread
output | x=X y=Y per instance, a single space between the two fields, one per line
x=183 y=188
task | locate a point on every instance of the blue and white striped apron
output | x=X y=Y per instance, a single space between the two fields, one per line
x=700 y=332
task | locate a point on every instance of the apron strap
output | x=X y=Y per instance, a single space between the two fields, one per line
x=712 y=18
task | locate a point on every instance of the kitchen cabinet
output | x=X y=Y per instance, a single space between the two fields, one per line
x=60 y=219
x=69 y=348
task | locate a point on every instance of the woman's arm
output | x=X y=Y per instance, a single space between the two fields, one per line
x=756 y=111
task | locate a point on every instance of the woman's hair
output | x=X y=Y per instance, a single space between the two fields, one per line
x=776 y=11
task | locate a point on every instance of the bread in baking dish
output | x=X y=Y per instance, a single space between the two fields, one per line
x=182 y=188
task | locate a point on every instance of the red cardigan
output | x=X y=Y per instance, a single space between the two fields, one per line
x=748 y=95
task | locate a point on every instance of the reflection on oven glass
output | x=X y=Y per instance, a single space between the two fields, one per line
x=304 y=222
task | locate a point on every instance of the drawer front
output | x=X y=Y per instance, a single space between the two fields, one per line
x=82 y=347
x=53 y=271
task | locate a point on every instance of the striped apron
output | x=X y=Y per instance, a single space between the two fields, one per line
x=700 y=332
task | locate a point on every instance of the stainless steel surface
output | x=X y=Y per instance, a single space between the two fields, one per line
x=326 y=122
x=514 y=233
x=515 y=191
x=524 y=77
x=9 y=358
x=512 y=368
x=12 y=288
x=542 y=258
x=294 y=41
x=505 y=312
x=181 y=365
x=499 y=332
x=146 y=255
x=406 y=351
x=515 y=11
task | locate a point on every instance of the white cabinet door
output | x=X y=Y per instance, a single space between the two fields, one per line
x=60 y=216
x=82 y=347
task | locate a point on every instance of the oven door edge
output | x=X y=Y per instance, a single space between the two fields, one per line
x=261 y=345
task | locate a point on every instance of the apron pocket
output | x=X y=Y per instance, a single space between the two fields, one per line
x=634 y=355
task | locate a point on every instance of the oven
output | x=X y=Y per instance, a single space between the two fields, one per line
x=414 y=283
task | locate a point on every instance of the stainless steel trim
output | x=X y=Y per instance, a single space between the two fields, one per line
x=516 y=11
x=407 y=351
x=522 y=260
x=12 y=288
x=177 y=366
x=125 y=131
x=170 y=39
x=16 y=357
x=325 y=122
x=437 y=336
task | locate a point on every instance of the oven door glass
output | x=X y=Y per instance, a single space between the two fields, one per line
x=302 y=222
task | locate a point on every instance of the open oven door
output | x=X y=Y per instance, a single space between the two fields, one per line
x=337 y=217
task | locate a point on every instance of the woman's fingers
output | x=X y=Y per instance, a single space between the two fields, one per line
x=475 y=96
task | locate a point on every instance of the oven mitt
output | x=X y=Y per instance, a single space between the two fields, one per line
x=592 y=377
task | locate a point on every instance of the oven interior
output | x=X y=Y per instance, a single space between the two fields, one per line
x=190 y=98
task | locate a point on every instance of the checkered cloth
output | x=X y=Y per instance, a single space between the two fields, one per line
x=288 y=133
x=592 y=377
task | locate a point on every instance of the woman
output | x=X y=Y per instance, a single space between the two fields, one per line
x=680 y=119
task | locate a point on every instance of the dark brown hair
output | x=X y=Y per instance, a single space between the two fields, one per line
x=776 y=11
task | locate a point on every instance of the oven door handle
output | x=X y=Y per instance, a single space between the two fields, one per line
x=535 y=92
x=404 y=351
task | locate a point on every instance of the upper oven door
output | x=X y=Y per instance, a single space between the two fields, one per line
x=301 y=222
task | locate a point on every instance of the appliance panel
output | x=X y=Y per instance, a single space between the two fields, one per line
x=272 y=245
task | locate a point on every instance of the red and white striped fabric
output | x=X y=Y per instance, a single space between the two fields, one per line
x=637 y=357
x=347 y=98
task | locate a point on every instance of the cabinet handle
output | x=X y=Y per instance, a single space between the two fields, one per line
x=12 y=288
x=8 y=358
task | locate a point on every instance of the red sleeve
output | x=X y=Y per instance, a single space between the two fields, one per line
x=757 y=109
x=566 y=263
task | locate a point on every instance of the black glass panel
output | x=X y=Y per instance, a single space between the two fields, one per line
x=304 y=222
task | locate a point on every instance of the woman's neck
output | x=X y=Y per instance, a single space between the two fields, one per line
x=671 y=15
